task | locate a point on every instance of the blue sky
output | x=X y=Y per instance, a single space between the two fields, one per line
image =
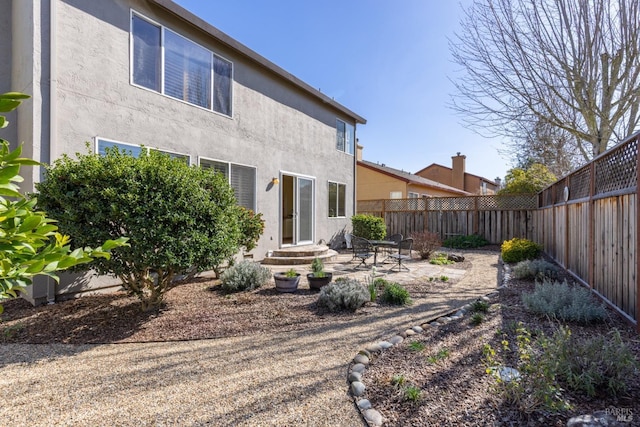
x=387 y=61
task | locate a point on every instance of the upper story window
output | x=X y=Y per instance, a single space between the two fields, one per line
x=135 y=150
x=241 y=178
x=166 y=62
x=346 y=136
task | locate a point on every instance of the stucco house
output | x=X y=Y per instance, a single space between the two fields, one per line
x=149 y=72
x=456 y=176
x=377 y=181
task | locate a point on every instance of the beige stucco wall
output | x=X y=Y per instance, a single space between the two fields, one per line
x=373 y=185
x=437 y=173
x=275 y=127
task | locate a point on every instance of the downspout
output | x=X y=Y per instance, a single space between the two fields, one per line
x=53 y=123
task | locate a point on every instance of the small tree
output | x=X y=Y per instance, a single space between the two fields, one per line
x=369 y=227
x=29 y=242
x=179 y=219
x=530 y=180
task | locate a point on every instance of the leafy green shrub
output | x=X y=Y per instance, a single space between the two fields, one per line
x=516 y=250
x=395 y=294
x=479 y=306
x=369 y=227
x=343 y=294
x=180 y=220
x=441 y=259
x=535 y=269
x=597 y=364
x=425 y=243
x=243 y=276
x=476 y=319
x=31 y=244
x=251 y=228
x=465 y=242
x=559 y=300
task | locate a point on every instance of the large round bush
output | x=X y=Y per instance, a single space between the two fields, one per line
x=178 y=219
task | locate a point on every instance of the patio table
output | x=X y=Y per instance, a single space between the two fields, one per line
x=377 y=244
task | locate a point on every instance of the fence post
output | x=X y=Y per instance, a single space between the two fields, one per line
x=637 y=233
x=476 y=216
x=592 y=224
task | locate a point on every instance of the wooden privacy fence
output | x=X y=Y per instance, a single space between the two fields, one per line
x=496 y=218
x=587 y=222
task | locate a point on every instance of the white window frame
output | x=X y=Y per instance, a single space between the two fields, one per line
x=347 y=148
x=162 y=66
x=145 y=149
x=337 y=207
x=229 y=164
x=412 y=195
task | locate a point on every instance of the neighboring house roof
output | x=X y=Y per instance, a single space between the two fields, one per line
x=223 y=38
x=490 y=181
x=410 y=178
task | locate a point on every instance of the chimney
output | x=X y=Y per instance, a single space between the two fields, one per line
x=358 y=151
x=457 y=175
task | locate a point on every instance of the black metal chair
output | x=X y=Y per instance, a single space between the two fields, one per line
x=362 y=250
x=403 y=254
x=388 y=250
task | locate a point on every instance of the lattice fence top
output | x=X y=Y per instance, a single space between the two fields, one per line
x=617 y=170
x=467 y=203
x=614 y=172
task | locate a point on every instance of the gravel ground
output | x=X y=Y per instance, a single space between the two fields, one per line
x=258 y=378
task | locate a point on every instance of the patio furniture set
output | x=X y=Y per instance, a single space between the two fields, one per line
x=395 y=248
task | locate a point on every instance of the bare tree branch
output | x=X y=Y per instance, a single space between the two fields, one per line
x=570 y=64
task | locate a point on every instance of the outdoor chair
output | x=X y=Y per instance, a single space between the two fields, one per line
x=362 y=250
x=388 y=250
x=402 y=254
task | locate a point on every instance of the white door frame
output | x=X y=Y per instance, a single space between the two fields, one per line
x=296 y=241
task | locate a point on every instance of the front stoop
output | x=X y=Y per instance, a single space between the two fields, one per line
x=300 y=255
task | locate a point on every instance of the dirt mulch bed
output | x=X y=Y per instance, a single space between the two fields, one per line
x=195 y=310
x=450 y=372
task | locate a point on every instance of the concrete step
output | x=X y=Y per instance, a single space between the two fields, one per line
x=298 y=256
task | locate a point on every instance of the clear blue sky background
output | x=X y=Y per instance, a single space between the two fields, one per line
x=387 y=61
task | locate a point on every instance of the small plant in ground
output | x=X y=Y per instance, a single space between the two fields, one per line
x=595 y=365
x=440 y=259
x=243 y=276
x=559 y=300
x=516 y=250
x=398 y=380
x=480 y=306
x=395 y=294
x=416 y=346
x=343 y=294
x=535 y=387
x=535 y=269
x=425 y=243
x=477 y=318
x=442 y=354
x=372 y=285
x=412 y=393
x=444 y=278
x=465 y=242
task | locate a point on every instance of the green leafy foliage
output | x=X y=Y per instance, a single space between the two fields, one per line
x=343 y=294
x=517 y=249
x=180 y=220
x=317 y=267
x=442 y=354
x=395 y=294
x=536 y=387
x=369 y=227
x=530 y=180
x=480 y=306
x=465 y=242
x=599 y=364
x=251 y=228
x=440 y=259
x=535 y=269
x=30 y=243
x=564 y=302
x=243 y=276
